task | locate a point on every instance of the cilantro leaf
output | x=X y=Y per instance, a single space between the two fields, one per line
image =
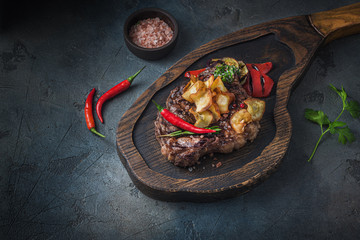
x=354 y=108
x=345 y=135
x=318 y=117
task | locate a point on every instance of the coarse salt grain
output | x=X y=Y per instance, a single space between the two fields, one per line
x=151 y=33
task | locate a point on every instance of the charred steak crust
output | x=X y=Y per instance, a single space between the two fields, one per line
x=186 y=151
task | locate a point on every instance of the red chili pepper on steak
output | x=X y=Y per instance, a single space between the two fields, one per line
x=179 y=122
x=122 y=86
x=258 y=84
x=194 y=72
x=89 y=118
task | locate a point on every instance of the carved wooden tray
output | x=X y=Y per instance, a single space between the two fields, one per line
x=290 y=45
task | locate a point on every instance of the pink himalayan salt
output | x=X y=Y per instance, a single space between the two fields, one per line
x=151 y=33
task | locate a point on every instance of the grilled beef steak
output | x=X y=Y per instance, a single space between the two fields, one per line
x=186 y=150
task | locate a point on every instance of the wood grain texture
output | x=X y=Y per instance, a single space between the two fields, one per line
x=338 y=22
x=290 y=44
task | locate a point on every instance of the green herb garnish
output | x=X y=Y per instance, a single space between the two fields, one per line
x=335 y=127
x=226 y=72
x=180 y=132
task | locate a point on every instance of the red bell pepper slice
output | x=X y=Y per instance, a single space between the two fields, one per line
x=264 y=68
x=258 y=84
x=267 y=86
x=194 y=72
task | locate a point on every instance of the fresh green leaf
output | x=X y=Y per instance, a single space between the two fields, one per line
x=353 y=107
x=318 y=117
x=341 y=92
x=345 y=135
x=332 y=87
x=334 y=125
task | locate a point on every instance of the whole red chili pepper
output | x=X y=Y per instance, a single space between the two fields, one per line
x=194 y=72
x=89 y=118
x=122 y=86
x=176 y=121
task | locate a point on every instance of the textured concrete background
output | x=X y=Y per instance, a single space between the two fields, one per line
x=59 y=181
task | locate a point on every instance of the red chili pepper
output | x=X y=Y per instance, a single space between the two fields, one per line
x=194 y=72
x=89 y=118
x=258 y=84
x=122 y=86
x=176 y=121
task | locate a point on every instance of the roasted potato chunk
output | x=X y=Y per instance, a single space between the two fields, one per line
x=191 y=89
x=203 y=119
x=218 y=84
x=188 y=86
x=256 y=108
x=214 y=109
x=223 y=100
x=239 y=120
x=202 y=99
x=209 y=82
x=193 y=78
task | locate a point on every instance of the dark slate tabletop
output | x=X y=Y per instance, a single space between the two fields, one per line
x=59 y=181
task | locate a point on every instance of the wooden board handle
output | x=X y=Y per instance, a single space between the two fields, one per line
x=338 y=22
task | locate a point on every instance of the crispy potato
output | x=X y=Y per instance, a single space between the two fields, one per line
x=209 y=82
x=202 y=99
x=193 y=78
x=191 y=89
x=255 y=107
x=239 y=120
x=187 y=86
x=203 y=119
x=223 y=100
x=214 y=109
x=218 y=84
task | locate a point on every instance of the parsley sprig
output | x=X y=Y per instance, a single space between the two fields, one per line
x=336 y=126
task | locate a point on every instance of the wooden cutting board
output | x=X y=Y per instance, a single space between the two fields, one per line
x=289 y=44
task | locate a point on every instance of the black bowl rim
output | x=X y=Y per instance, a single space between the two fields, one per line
x=140 y=11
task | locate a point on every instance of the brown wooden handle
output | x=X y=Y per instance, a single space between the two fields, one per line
x=338 y=22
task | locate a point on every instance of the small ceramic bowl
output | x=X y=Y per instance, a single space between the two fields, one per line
x=150 y=53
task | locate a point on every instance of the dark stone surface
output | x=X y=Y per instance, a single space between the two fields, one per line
x=58 y=181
